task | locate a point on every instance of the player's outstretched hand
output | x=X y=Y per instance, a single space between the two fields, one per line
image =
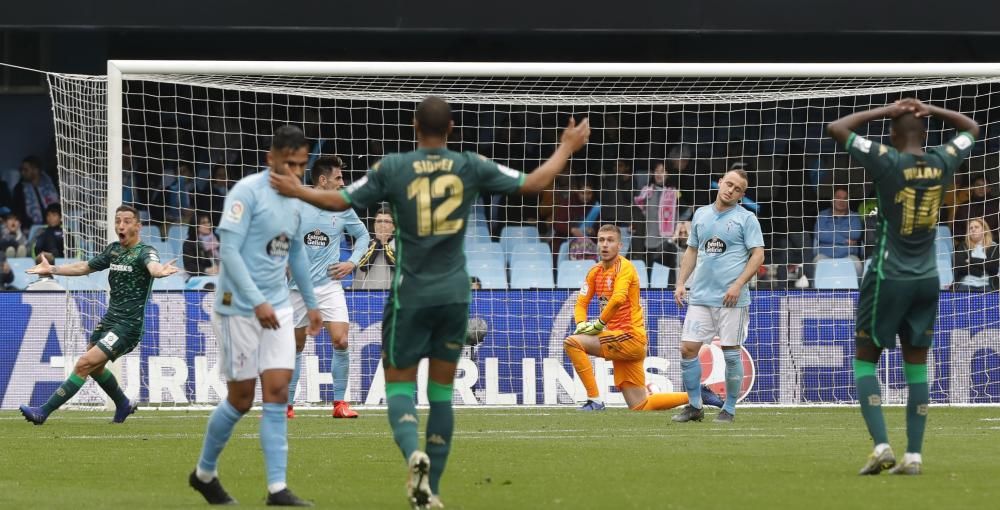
x=340 y=270
x=680 y=295
x=266 y=316
x=315 y=322
x=576 y=135
x=285 y=184
x=43 y=268
x=168 y=269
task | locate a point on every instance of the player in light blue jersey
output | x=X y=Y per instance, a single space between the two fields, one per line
x=726 y=246
x=321 y=232
x=253 y=317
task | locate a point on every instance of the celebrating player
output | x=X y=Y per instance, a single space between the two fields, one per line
x=253 y=319
x=321 y=232
x=899 y=293
x=430 y=191
x=619 y=334
x=133 y=266
x=727 y=247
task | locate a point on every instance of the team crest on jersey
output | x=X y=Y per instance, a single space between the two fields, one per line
x=729 y=225
x=715 y=245
x=610 y=282
x=316 y=239
x=277 y=248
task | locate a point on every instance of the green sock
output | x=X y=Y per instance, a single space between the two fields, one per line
x=109 y=384
x=403 y=415
x=440 y=425
x=916 y=406
x=64 y=393
x=870 y=396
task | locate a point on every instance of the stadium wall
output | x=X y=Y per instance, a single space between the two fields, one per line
x=800 y=347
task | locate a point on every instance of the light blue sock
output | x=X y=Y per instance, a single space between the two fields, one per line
x=295 y=378
x=220 y=426
x=274 y=442
x=691 y=376
x=341 y=365
x=734 y=378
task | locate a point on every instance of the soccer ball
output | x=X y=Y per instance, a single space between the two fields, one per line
x=477 y=330
x=652 y=388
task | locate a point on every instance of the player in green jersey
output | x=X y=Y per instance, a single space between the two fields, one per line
x=899 y=293
x=430 y=191
x=133 y=266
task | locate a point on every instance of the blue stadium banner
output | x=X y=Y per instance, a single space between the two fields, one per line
x=798 y=352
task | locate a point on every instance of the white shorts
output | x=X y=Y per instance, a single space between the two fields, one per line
x=246 y=349
x=703 y=323
x=332 y=304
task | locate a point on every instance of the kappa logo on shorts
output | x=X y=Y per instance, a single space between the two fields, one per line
x=713 y=369
x=715 y=245
x=316 y=239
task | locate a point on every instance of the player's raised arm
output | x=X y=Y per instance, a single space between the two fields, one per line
x=841 y=129
x=573 y=139
x=157 y=270
x=961 y=122
x=74 y=269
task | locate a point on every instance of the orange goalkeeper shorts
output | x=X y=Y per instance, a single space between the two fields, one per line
x=626 y=351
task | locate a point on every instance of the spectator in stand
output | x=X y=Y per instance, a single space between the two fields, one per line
x=33 y=193
x=475 y=283
x=840 y=231
x=13 y=242
x=201 y=249
x=44 y=282
x=617 y=192
x=6 y=273
x=50 y=239
x=662 y=212
x=977 y=261
x=577 y=217
x=694 y=187
x=376 y=265
x=983 y=203
x=5 y=201
x=211 y=197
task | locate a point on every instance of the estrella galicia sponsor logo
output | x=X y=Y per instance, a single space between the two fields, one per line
x=316 y=239
x=277 y=248
x=715 y=245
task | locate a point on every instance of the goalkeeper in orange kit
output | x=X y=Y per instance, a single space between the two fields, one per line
x=618 y=334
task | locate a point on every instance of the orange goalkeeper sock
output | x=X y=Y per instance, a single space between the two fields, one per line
x=662 y=401
x=581 y=362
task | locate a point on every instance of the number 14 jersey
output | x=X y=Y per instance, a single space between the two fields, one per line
x=910 y=189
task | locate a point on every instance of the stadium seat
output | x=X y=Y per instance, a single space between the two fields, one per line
x=661 y=276
x=640 y=267
x=483 y=247
x=172 y=282
x=92 y=281
x=149 y=233
x=626 y=242
x=489 y=268
x=836 y=274
x=564 y=251
x=477 y=233
x=18 y=266
x=515 y=234
x=531 y=271
x=200 y=282
x=176 y=237
x=532 y=248
x=572 y=273
x=943 y=232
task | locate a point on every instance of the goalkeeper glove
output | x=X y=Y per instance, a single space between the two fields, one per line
x=590 y=327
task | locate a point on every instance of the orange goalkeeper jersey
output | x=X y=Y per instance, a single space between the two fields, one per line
x=617 y=288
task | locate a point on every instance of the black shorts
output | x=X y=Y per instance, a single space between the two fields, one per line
x=904 y=307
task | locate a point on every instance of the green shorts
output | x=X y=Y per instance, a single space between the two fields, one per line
x=115 y=341
x=411 y=334
x=890 y=307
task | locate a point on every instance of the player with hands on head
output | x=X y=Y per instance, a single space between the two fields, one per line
x=133 y=266
x=899 y=292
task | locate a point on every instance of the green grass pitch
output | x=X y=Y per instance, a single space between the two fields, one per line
x=513 y=458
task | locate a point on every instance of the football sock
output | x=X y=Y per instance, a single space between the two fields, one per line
x=581 y=363
x=916 y=405
x=341 y=364
x=274 y=442
x=734 y=378
x=220 y=426
x=294 y=383
x=870 y=396
x=691 y=376
x=440 y=424
x=65 y=392
x=403 y=415
x=661 y=401
x=106 y=380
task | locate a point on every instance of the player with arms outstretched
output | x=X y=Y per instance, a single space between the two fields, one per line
x=619 y=332
x=726 y=247
x=133 y=267
x=430 y=191
x=321 y=232
x=252 y=318
x=899 y=293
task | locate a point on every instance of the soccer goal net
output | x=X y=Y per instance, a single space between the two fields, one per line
x=170 y=138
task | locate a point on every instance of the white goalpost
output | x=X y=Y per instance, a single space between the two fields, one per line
x=168 y=137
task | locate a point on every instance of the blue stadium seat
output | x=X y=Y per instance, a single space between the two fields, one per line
x=483 y=247
x=626 y=242
x=477 y=233
x=200 y=282
x=172 y=282
x=572 y=273
x=515 y=234
x=530 y=248
x=18 y=266
x=946 y=276
x=661 y=276
x=489 y=268
x=149 y=233
x=564 y=251
x=531 y=271
x=640 y=267
x=836 y=274
x=176 y=237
